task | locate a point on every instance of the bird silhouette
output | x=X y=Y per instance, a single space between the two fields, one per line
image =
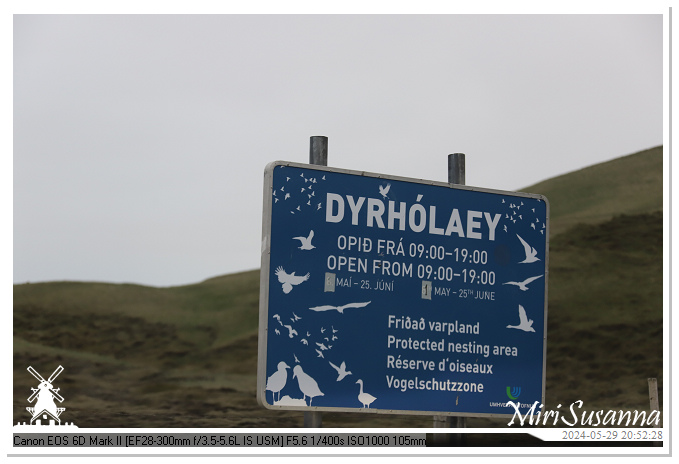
x=340 y=309
x=322 y=346
x=522 y=285
x=384 y=191
x=364 y=398
x=531 y=253
x=341 y=370
x=320 y=354
x=306 y=241
x=277 y=380
x=296 y=317
x=288 y=280
x=304 y=340
x=525 y=324
x=291 y=332
x=278 y=332
x=306 y=383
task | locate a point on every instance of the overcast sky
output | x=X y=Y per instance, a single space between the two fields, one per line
x=140 y=141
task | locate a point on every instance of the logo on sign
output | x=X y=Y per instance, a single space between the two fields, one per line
x=45 y=411
x=513 y=392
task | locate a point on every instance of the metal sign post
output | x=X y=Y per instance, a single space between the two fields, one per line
x=395 y=295
x=318 y=155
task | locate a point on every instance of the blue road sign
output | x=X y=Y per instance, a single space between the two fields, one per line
x=399 y=295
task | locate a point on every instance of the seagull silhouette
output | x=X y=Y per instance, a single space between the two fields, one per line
x=341 y=370
x=277 y=380
x=320 y=354
x=340 y=309
x=288 y=280
x=531 y=253
x=307 y=385
x=306 y=241
x=297 y=318
x=525 y=324
x=322 y=346
x=522 y=285
x=384 y=191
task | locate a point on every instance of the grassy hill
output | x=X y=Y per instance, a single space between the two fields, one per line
x=628 y=185
x=186 y=356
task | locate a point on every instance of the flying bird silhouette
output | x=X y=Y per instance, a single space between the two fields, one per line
x=525 y=324
x=340 y=309
x=384 y=191
x=291 y=332
x=320 y=354
x=288 y=280
x=522 y=285
x=322 y=346
x=531 y=253
x=341 y=370
x=306 y=241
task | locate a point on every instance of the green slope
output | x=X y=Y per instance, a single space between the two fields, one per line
x=186 y=356
x=628 y=185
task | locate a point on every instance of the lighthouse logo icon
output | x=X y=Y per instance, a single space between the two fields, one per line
x=45 y=411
